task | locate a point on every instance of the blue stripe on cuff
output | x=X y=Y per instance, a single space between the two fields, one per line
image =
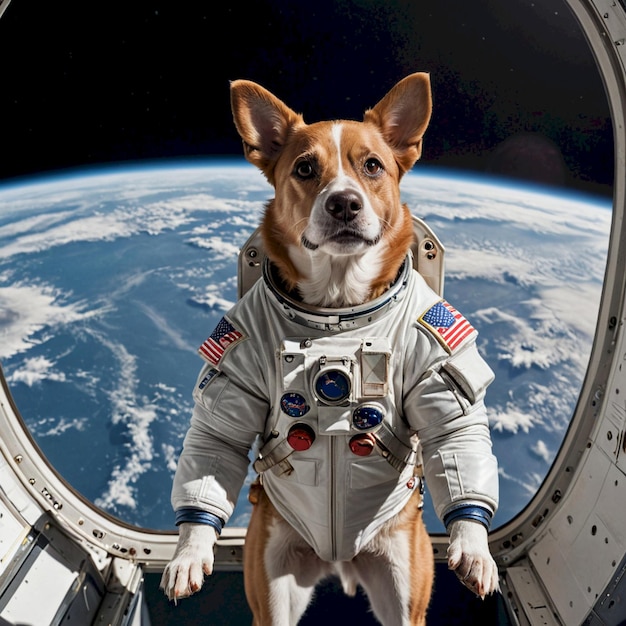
x=469 y=512
x=198 y=516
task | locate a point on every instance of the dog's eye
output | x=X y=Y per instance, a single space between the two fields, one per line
x=373 y=167
x=304 y=169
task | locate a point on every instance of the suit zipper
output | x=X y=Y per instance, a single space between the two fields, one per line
x=333 y=500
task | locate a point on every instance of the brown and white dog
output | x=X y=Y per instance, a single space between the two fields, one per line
x=338 y=233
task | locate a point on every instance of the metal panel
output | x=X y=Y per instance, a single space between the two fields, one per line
x=610 y=610
x=46 y=572
x=579 y=555
x=531 y=604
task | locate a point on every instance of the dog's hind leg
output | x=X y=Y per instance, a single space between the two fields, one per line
x=397 y=570
x=280 y=569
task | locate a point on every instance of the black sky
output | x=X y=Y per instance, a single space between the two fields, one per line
x=516 y=90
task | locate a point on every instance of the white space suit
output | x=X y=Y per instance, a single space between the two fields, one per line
x=338 y=399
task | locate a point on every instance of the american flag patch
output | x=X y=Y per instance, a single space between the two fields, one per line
x=447 y=324
x=223 y=337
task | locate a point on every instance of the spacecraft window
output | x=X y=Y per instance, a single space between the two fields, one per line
x=113 y=274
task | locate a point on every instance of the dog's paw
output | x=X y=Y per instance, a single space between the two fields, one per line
x=193 y=558
x=469 y=557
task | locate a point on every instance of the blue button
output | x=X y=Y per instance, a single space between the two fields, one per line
x=367 y=416
x=294 y=404
x=332 y=386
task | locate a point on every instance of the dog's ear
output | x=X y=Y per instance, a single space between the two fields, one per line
x=402 y=116
x=263 y=122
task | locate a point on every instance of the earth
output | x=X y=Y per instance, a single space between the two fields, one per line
x=111 y=279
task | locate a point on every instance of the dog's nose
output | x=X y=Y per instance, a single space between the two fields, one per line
x=344 y=205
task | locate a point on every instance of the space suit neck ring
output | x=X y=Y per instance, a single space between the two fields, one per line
x=329 y=319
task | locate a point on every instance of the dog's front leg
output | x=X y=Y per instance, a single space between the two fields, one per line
x=193 y=558
x=469 y=557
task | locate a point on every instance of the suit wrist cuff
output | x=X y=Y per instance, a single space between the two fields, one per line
x=470 y=512
x=191 y=515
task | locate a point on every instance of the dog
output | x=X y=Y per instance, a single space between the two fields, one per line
x=349 y=370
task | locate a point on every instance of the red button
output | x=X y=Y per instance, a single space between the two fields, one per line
x=301 y=437
x=362 y=445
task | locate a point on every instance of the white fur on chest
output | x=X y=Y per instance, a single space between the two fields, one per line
x=335 y=281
